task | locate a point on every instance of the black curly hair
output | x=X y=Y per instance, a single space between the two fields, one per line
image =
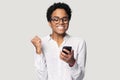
x=56 y=6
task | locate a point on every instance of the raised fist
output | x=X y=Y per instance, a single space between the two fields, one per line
x=36 y=41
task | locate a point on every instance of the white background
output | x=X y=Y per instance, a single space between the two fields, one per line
x=97 y=21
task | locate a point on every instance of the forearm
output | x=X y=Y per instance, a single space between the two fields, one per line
x=41 y=75
x=77 y=72
x=40 y=67
x=78 y=69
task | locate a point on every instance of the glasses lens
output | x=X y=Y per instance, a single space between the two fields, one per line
x=57 y=19
x=65 y=20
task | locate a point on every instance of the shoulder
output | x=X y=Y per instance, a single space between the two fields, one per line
x=45 y=38
x=77 y=39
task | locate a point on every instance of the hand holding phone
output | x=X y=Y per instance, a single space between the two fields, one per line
x=69 y=48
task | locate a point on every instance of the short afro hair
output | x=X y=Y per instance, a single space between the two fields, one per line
x=58 y=5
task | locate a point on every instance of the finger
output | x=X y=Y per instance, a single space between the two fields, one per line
x=66 y=51
x=72 y=51
x=63 y=54
x=36 y=37
x=63 y=58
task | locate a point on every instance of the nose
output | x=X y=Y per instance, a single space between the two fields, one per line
x=61 y=21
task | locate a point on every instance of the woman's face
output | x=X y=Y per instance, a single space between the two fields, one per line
x=59 y=21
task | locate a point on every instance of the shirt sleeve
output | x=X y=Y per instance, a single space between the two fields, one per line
x=78 y=69
x=40 y=67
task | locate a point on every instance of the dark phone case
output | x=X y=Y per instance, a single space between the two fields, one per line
x=69 y=48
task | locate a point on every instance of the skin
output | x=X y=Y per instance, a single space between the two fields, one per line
x=58 y=34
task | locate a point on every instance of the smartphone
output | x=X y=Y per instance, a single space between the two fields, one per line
x=69 y=48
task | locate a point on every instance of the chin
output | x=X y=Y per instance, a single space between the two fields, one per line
x=61 y=33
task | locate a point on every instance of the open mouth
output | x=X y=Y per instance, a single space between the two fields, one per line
x=60 y=27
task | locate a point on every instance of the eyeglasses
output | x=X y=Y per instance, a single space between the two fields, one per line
x=57 y=19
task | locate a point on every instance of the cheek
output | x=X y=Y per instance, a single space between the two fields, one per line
x=52 y=25
x=66 y=26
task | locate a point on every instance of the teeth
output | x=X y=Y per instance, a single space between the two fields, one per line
x=60 y=27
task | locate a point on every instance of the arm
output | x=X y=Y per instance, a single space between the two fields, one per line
x=78 y=69
x=40 y=67
x=40 y=63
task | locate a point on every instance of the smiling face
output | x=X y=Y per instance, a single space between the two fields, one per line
x=59 y=22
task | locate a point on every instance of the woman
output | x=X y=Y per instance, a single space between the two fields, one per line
x=52 y=62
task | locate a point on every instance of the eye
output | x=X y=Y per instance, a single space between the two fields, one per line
x=55 y=19
x=65 y=19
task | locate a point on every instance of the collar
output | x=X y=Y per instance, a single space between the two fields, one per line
x=66 y=37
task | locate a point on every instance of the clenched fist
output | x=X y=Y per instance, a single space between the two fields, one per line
x=36 y=41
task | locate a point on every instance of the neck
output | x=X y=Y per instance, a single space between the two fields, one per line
x=58 y=38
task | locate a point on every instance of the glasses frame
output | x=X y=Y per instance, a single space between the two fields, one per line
x=57 y=20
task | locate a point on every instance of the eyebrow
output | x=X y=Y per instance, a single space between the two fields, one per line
x=59 y=17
